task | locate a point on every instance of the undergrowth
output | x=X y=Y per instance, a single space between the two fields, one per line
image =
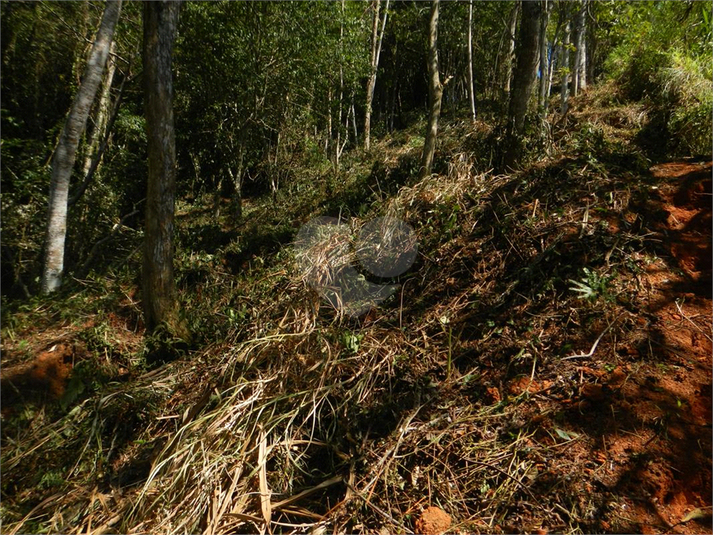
x=291 y=413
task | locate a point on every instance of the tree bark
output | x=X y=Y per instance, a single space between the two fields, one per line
x=159 y=300
x=555 y=59
x=580 y=60
x=524 y=77
x=376 y=40
x=66 y=152
x=471 y=88
x=512 y=27
x=544 y=60
x=435 y=93
x=565 y=67
x=97 y=158
x=102 y=114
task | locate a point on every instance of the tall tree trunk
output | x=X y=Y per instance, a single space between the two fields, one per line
x=512 y=27
x=102 y=114
x=97 y=158
x=592 y=44
x=338 y=146
x=376 y=40
x=580 y=60
x=471 y=88
x=66 y=152
x=159 y=292
x=435 y=93
x=565 y=67
x=523 y=79
x=555 y=58
x=544 y=61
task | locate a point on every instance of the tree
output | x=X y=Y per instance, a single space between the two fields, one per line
x=579 y=78
x=435 y=93
x=565 y=70
x=376 y=40
x=544 y=63
x=66 y=152
x=471 y=90
x=158 y=285
x=527 y=53
x=511 y=28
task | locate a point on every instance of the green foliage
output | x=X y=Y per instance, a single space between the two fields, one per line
x=52 y=479
x=593 y=286
x=279 y=100
x=687 y=87
x=351 y=341
x=663 y=58
x=589 y=141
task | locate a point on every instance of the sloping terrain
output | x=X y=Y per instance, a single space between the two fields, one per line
x=545 y=365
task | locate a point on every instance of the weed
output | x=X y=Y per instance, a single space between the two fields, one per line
x=593 y=286
x=352 y=341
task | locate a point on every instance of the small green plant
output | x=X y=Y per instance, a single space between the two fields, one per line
x=352 y=341
x=51 y=479
x=592 y=286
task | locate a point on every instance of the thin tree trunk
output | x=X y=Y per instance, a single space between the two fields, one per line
x=102 y=117
x=96 y=160
x=337 y=148
x=354 y=123
x=565 y=67
x=435 y=93
x=544 y=62
x=471 y=89
x=554 y=59
x=524 y=78
x=66 y=153
x=512 y=26
x=376 y=40
x=556 y=54
x=580 y=59
x=159 y=293
x=592 y=44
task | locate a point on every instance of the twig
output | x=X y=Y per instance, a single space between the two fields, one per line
x=594 y=346
x=683 y=315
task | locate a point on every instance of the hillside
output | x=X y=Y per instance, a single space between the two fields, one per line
x=543 y=366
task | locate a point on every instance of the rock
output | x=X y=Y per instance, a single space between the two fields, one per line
x=433 y=521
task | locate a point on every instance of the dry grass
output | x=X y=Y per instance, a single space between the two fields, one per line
x=311 y=420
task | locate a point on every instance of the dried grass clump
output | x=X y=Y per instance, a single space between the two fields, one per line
x=304 y=418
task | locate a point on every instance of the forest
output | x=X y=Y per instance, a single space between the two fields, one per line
x=378 y=266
